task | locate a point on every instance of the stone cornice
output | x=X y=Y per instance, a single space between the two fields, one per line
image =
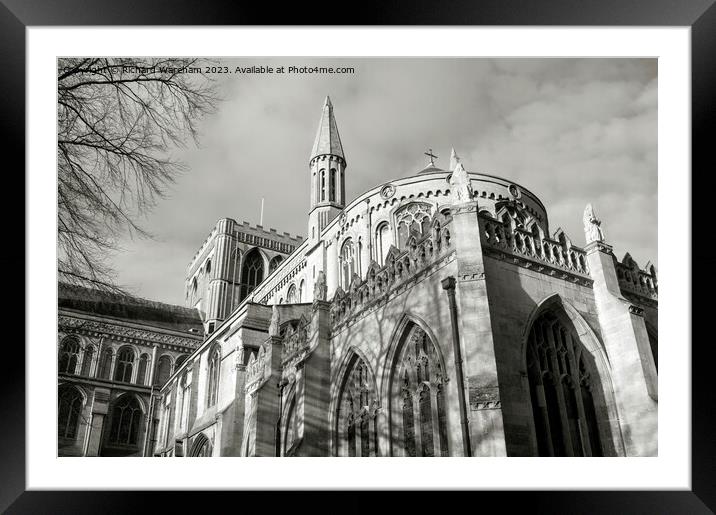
x=538 y=266
x=125 y=333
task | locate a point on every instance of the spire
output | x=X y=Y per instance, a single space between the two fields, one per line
x=327 y=142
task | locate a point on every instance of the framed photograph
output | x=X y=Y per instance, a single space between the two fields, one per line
x=403 y=242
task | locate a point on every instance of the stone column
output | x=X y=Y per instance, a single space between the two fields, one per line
x=633 y=371
x=487 y=435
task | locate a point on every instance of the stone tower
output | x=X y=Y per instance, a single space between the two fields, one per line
x=328 y=166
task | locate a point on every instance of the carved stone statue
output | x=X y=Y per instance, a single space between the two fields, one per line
x=319 y=289
x=460 y=187
x=275 y=323
x=592 y=225
x=454 y=159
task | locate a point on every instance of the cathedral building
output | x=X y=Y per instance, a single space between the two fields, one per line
x=114 y=352
x=433 y=315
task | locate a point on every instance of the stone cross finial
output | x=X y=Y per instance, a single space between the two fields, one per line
x=274 y=325
x=319 y=288
x=460 y=187
x=431 y=156
x=592 y=225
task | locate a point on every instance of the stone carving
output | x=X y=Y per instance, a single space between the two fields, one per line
x=122 y=333
x=320 y=290
x=460 y=187
x=592 y=225
x=387 y=191
x=454 y=159
x=275 y=323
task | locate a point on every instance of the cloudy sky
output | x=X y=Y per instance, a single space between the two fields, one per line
x=572 y=131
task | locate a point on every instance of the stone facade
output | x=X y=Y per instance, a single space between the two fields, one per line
x=114 y=353
x=434 y=315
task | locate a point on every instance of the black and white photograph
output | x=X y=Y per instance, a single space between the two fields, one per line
x=357 y=257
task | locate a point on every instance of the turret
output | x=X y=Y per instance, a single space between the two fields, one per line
x=327 y=165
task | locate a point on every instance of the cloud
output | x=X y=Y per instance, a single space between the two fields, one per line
x=571 y=130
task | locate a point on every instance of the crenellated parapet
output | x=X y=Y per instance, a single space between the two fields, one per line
x=532 y=249
x=633 y=280
x=421 y=253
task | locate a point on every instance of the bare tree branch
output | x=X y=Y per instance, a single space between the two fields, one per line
x=118 y=121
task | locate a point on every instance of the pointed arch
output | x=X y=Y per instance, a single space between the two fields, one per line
x=275 y=261
x=354 y=408
x=382 y=242
x=291 y=295
x=412 y=218
x=414 y=391
x=569 y=381
x=70 y=402
x=163 y=370
x=87 y=360
x=213 y=376
x=252 y=271
x=124 y=367
x=126 y=423
x=347 y=260
x=202 y=447
x=69 y=355
x=105 y=364
x=142 y=367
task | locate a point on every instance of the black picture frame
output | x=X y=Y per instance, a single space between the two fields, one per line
x=699 y=15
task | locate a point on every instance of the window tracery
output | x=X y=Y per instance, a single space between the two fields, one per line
x=69 y=355
x=561 y=391
x=415 y=217
x=418 y=399
x=357 y=411
x=69 y=409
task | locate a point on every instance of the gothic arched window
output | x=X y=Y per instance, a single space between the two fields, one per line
x=300 y=291
x=415 y=217
x=561 y=391
x=323 y=184
x=418 y=409
x=201 y=448
x=356 y=418
x=382 y=242
x=348 y=263
x=87 y=360
x=273 y=265
x=69 y=408
x=213 y=376
x=332 y=190
x=291 y=295
x=125 y=365
x=105 y=365
x=163 y=370
x=142 y=368
x=184 y=401
x=126 y=421
x=69 y=355
x=252 y=273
